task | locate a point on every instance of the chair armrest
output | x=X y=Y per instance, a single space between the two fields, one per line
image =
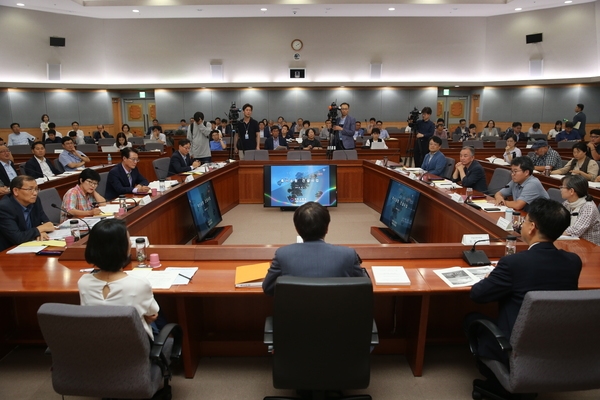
x=268 y=334
x=374 y=335
x=492 y=328
x=159 y=342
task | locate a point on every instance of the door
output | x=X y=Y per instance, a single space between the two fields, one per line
x=138 y=114
x=453 y=109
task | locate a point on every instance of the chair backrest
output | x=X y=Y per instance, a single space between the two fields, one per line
x=120 y=349
x=537 y=136
x=555 y=342
x=106 y=142
x=88 y=148
x=322 y=333
x=339 y=155
x=22 y=168
x=20 y=149
x=161 y=167
x=563 y=162
x=249 y=155
x=299 y=155
x=155 y=146
x=500 y=144
x=58 y=165
x=351 y=154
x=101 y=189
x=500 y=178
x=455 y=137
x=554 y=194
x=139 y=141
x=50 y=147
x=476 y=144
x=445 y=144
x=262 y=155
x=565 y=144
x=449 y=167
x=47 y=197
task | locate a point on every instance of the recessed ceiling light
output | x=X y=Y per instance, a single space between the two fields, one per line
x=518 y=9
x=136 y=11
x=263 y=9
x=456 y=85
x=568 y=2
x=391 y=9
x=21 y=4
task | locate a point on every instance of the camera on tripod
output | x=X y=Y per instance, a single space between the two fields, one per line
x=413 y=116
x=234 y=113
x=333 y=112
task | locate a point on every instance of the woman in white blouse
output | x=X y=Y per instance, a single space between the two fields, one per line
x=511 y=151
x=126 y=130
x=44 y=125
x=585 y=218
x=121 y=141
x=557 y=129
x=108 y=284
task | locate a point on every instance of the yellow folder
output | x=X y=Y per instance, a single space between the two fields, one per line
x=251 y=275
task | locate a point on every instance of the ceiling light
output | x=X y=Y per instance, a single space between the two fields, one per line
x=136 y=11
x=456 y=85
x=568 y=2
x=20 y=4
x=391 y=9
x=263 y=9
x=518 y=9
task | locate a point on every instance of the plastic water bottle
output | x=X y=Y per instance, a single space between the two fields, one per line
x=140 y=251
x=161 y=185
x=122 y=203
x=109 y=159
x=75 y=232
x=511 y=245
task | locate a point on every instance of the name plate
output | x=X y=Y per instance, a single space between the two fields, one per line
x=504 y=224
x=469 y=240
x=457 y=197
x=189 y=178
x=145 y=200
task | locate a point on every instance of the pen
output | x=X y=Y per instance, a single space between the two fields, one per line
x=189 y=279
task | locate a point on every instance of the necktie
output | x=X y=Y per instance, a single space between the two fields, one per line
x=129 y=178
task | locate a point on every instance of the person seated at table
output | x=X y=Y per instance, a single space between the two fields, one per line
x=76 y=139
x=580 y=164
x=468 y=172
x=217 y=143
x=558 y=127
x=490 y=129
x=544 y=155
x=511 y=150
x=541 y=267
x=313 y=258
x=108 y=285
x=569 y=133
x=276 y=141
x=158 y=135
x=101 y=133
x=121 y=141
x=535 y=129
x=71 y=158
x=434 y=162
x=124 y=178
x=286 y=133
x=83 y=199
x=8 y=171
x=461 y=130
x=374 y=138
x=127 y=131
x=440 y=131
x=311 y=142
x=524 y=187
x=22 y=217
x=52 y=137
x=38 y=166
x=181 y=161
x=585 y=218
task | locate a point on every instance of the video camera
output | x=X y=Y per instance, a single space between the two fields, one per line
x=413 y=117
x=333 y=112
x=234 y=113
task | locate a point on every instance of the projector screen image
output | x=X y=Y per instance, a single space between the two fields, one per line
x=399 y=209
x=294 y=185
x=205 y=209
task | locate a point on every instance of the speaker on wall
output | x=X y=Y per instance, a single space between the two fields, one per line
x=53 y=71
x=57 y=41
x=533 y=38
x=376 y=71
x=536 y=67
x=216 y=71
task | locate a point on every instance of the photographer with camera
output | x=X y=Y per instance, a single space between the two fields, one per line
x=247 y=136
x=425 y=129
x=344 y=127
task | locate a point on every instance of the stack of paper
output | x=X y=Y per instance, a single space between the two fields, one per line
x=496 y=160
x=158 y=279
x=184 y=274
x=390 y=276
x=251 y=275
x=459 y=277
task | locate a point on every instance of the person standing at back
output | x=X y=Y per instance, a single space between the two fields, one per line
x=199 y=135
x=344 y=127
x=247 y=136
x=580 y=119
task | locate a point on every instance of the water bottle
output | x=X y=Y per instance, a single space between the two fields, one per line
x=511 y=245
x=517 y=221
x=75 y=232
x=122 y=202
x=469 y=197
x=508 y=214
x=547 y=170
x=109 y=159
x=140 y=251
x=161 y=185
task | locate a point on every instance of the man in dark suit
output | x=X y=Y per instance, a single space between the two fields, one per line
x=541 y=267
x=469 y=172
x=345 y=127
x=181 y=160
x=8 y=171
x=38 y=166
x=22 y=217
x=125 y=178
x=275 y=140
x=314 y=258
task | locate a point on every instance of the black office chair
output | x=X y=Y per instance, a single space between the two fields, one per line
x=450 y=162
x=104 y=351
x=500 y=178
x=321 y=332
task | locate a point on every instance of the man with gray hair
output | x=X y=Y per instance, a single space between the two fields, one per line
x=468 y=172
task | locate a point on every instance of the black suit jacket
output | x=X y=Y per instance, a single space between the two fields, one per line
x=474 y=177
x=177 y=165
x=32 y=168
x=117 y=182
x=4 y=175
x=13 y=229
x=269 y=145
x=543 y=267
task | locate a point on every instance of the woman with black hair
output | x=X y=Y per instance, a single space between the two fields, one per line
x=580 y=164
x=108 y=249
x=585 y=218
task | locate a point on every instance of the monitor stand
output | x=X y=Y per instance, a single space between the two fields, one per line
x=216 y=237
x=385 y=235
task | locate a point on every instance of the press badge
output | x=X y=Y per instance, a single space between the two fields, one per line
x=246 y=136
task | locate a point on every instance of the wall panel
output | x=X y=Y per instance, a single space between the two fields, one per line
x=63 y=107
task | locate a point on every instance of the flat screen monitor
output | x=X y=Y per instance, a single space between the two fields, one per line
x=399 y=209
x=205 y=209
x=290 y=186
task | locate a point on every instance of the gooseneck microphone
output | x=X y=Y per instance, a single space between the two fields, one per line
x=477 y=257
x=69 y=215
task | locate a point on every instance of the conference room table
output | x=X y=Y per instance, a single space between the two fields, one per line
x=219 y=319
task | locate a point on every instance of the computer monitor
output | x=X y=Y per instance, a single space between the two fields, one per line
x=205 y=210
x=290 y=186
x=399 y=209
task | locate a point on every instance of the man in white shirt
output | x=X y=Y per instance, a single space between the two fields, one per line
x=383 y=133
x=38 y=166
x=7 y=169
x=80 y=134
x=18 y=137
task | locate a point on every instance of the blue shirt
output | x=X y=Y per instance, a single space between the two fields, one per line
x=10 y=171
x=67 y=158
x=574 y=135
x=215 y=145
x=435 y=164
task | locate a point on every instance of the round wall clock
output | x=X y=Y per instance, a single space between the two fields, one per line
x=297 y=44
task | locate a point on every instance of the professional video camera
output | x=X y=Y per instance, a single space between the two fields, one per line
x=413 y=117
x=333 y=112
x=234 y=113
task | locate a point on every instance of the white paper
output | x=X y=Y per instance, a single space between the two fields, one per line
x=59 y=234
x=162 y=279
x=168 y=183
x=497 y=161
x=456 y=277
x=185 y=271
x=480 y=272
x=110 y=209
x=26 y=249
x=504 y=224
x=394 y=275
x=145 y=200
x=594 y=185
x=567 y=237
x=489 y=207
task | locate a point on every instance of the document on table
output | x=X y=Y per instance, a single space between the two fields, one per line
x=393 y=275
x=497 y=161
x=187 y=272
x=59 y=233
x=110 y=209
x=25 y=248
x=158 y=279
x=456 y=276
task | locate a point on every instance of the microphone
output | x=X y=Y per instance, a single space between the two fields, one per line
x=69 y=215
x=477 y=257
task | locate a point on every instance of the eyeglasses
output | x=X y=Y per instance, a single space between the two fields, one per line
x=4 y=151
x=33 y=189
x=91 y=183
x=515 y=171
x=135 y=160
x=187 y=147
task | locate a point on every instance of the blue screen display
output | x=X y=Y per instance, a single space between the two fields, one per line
x=294 y=185
x=204 y=207
x=399 y=209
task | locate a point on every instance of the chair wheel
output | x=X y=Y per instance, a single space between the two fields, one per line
x=476 y=395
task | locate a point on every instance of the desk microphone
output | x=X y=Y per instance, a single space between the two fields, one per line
x=477 y=257
x=69 y=215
